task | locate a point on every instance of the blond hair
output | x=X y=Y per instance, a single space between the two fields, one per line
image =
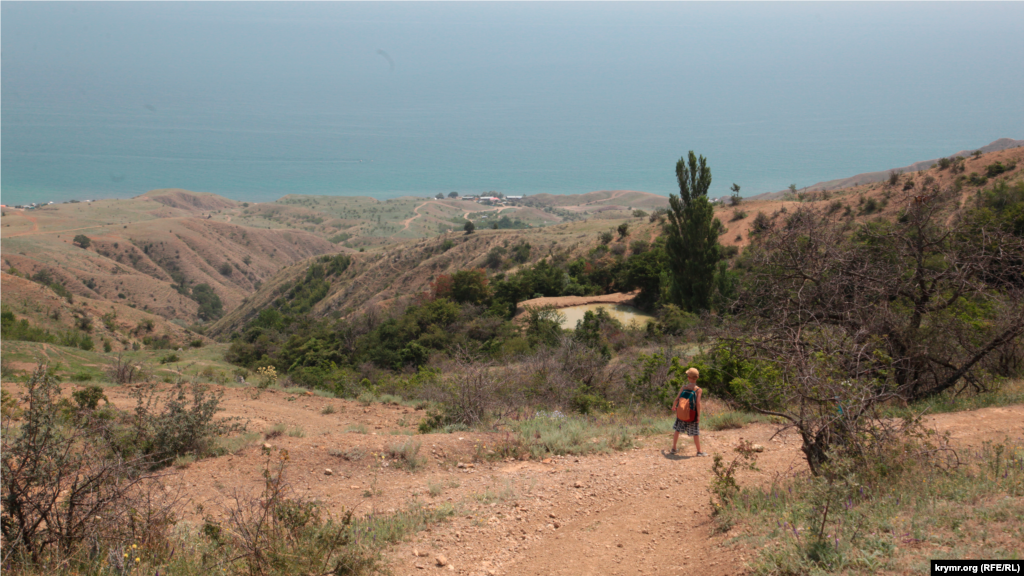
x=693 y=372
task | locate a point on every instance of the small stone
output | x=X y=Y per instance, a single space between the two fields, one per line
x=758 y=448
x=619 y=544
x=552 y=515
x=461 y=465
x=546 y=461
x=441 y=560
x=267 y=446
x=419 y=553
x=556 y=524
x=328 y=472
x=577 y=484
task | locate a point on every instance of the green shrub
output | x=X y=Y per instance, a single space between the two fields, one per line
x=210 y=305
x=997 y=168
x=975 y=179
x=9 y=405
x=185 y=424
x=88 y=398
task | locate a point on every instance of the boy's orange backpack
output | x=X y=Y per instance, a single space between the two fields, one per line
x=685 y=410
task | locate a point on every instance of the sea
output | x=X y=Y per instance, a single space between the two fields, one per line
x=257 y=100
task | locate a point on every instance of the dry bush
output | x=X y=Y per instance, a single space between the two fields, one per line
x=63 y=485
x=472 y=391
x=123 y=371
x=272 y=533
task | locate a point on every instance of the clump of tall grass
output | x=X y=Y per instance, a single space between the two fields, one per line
x=223 y=445
x=275 y=430
x=730 y=420
x=407 y=455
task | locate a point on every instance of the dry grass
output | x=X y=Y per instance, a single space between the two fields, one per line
x=893 y=517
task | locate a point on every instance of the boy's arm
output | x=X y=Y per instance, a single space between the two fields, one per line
x=700 y=407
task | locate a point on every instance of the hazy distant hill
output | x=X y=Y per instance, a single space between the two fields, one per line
x=871 y=177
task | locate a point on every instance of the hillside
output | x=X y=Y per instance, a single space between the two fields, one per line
x=235 y=246
x=883 y=175
x=445 y=435
x=407 y=268
x=871 y=200
x=141 y=249
x=109 y=326
x=148 y=251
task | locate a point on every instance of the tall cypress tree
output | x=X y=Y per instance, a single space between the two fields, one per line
x=692 y=247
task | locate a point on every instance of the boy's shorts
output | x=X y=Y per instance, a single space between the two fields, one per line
x=691 y=428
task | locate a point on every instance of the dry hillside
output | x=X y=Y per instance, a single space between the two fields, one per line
x=106 y=322
x=140 y=248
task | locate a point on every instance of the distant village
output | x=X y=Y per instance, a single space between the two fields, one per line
x=34 y=205
x=490 y=199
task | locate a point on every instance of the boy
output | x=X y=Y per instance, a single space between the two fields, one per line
x=689 y=392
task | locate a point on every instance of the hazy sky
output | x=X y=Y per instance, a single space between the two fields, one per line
x=264 y=52
x=922 y=77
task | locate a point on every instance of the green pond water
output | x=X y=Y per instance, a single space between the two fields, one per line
x=628 y=315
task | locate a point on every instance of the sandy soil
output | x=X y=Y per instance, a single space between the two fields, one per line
x=616 y=514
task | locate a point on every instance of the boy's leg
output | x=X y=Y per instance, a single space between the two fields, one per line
x=675 y=440
x=696 y=441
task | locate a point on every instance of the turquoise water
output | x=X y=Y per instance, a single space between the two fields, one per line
x=257 y=100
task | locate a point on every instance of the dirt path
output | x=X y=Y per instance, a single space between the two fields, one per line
x=32 y=219
x=614 y=195
x=416 y=212
x=623 y=513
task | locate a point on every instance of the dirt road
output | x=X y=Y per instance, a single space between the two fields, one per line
x=623 y=513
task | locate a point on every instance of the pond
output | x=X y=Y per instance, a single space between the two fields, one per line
x=628 y=315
